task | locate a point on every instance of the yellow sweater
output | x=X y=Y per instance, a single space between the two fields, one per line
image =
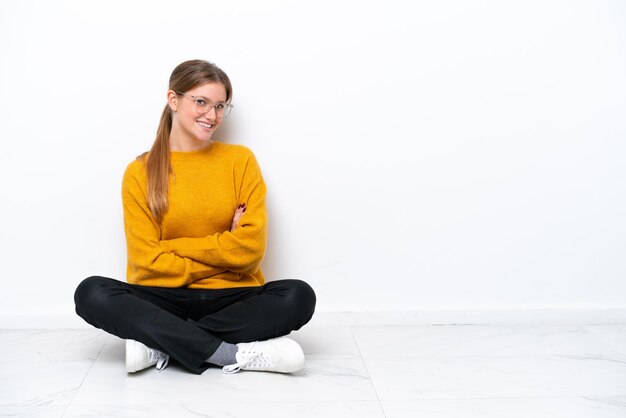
x=193 y=246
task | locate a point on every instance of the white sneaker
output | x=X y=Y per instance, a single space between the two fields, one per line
x=282 y=355
x=139 y=357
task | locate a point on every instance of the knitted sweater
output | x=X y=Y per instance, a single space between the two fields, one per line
x=193 y=246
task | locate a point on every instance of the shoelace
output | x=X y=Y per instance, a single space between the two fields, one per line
x=161 y=359
x=249 y=359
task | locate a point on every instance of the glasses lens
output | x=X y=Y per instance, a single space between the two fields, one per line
x=227 y=110
x=202 y=106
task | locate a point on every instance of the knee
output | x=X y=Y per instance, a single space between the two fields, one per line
x=90 y=294
x=302 y=298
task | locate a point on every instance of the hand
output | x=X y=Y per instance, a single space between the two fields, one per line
x=238 y=214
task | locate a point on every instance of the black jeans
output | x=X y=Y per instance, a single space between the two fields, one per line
x=190 y=324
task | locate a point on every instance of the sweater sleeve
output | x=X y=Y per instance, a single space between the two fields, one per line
x=148 y=263
x=239 y=251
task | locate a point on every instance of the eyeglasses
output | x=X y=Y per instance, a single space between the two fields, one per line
x=204 y=106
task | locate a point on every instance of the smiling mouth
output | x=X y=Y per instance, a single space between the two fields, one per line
x=205 y=125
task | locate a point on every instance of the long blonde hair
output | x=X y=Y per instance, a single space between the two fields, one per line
x=185 y=77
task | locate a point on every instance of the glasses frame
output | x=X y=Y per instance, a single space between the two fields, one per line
x=228 y=107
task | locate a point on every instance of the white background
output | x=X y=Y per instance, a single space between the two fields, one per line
x=422 y=155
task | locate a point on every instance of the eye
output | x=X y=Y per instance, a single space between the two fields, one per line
x=201 y=102
x=220 y=106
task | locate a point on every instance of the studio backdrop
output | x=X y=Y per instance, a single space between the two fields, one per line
x=420 y=157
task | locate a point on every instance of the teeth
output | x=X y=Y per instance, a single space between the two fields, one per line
x=207 y=125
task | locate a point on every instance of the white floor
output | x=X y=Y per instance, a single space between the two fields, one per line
x=417 y=371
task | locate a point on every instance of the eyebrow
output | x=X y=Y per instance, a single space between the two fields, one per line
x=206 y=98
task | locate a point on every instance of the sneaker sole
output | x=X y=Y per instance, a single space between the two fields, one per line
x=131 y=363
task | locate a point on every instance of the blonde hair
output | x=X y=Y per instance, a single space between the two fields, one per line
x=185 y=77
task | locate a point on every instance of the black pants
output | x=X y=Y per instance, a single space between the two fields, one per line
x=190 y=324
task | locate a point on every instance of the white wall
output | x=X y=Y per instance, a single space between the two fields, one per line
x=425 y=155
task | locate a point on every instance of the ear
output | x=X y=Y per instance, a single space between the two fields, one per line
x=172 y=100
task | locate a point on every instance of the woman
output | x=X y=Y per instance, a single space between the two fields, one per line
x=195 y=224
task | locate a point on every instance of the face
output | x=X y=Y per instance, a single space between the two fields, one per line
x=192 y=126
